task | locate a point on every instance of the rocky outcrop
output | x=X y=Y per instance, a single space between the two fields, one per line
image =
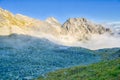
x=9 y=24
x=20 y=24
x=82 y=28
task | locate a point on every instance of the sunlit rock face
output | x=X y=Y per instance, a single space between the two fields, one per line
x=82 y=28
x=26 y=25
x=21 y=24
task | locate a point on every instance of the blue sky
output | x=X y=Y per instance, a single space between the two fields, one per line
x=96 y=10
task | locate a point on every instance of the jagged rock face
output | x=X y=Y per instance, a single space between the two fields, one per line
x=8 y=19
x=82 y=28
x=54 y=24
x=20 y=24
x=52 y=20
x=79 y=28
x=8 y=23
x=83 y=25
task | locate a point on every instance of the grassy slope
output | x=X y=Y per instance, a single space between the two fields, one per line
x=108 y=70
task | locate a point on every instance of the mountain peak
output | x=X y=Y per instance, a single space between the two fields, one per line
x=52 y=20
x=83 y=28
x=77 y=20
x=3 y=12
x=80 y=28
x=1 y=9
x=5 y=17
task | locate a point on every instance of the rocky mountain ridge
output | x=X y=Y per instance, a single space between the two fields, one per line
x=72 y=32
x=83 y=28
x=70 y=26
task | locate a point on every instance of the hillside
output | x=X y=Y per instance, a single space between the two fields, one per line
x=108 y=70
x=27 y=57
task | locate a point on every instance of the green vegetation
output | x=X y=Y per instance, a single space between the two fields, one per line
x=106 y=70
x=109 y=54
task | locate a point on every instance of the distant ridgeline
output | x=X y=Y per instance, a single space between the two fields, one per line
x=80 y=28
